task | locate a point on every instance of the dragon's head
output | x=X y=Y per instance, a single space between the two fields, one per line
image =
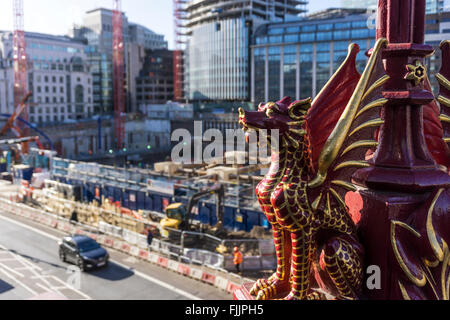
x=286 y=117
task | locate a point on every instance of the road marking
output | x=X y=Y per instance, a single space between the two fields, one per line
x=138 y=273
x=19 y=282
x=159 y=282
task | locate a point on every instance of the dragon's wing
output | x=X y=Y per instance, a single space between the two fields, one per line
x=346 y=149
x=443 y=78
x=327 y=107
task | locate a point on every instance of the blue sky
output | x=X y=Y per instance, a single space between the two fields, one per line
x=56 y=16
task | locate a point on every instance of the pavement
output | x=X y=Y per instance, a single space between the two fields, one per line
x=30 y=269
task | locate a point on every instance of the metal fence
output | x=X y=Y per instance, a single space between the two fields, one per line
x=184 y=246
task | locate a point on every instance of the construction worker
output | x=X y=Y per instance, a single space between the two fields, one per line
x=237 y=259
x=149 y=237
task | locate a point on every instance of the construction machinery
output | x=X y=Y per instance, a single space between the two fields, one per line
x=178 y=216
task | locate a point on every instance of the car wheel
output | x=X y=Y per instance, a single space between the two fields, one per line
x=80 y=264
x=62 y=256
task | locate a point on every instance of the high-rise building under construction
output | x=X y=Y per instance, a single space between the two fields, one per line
x=218 y=35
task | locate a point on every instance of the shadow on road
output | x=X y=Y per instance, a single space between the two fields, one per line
x=112 y=272
x=5 y=286
x=35 y=260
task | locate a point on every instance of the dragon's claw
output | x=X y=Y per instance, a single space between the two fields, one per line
x=259 y=285
x=268 y=289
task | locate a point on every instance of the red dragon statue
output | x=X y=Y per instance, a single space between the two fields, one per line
x=322 y=143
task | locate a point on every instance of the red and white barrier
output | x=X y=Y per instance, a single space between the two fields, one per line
x=118 y=245
x=134 y=251
x=196 y=273
x=108 y=242
x=143 y=254
x=163 y=262
x=208 y=278
x=153 y=258
x=173 y=265
x=231 y=287
x=184 y=269
x=221 y=283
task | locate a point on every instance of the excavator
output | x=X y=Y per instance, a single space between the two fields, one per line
x=178 y=216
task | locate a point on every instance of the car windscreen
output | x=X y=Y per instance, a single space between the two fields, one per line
x=88 y=245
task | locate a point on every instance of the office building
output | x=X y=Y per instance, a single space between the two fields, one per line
x=297 y=58
x=218 y=42
x=433 y=6
x=145 y=37
x=58 y=76
x=149 y=76
x=97 y=31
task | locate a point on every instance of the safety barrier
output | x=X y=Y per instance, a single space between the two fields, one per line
x=106 y=235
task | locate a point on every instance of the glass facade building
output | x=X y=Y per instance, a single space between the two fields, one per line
x=297 y=58
x=433 y=6
x=218 y=43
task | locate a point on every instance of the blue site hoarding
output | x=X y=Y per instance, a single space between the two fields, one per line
x=137 y=197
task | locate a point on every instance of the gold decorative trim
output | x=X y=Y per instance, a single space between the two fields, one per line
x=447 y=140
x=370 y=123
x=444 y=118
x=445 y=283
x=375 y=85
x=338 y=197
x=431 y=233
x=336 y=139
x=420 y=282
x=374 y=104
x=358 y=164
x=360 y=144
x=443 y=81
x=403 y=291
x=347 y=185
x=316 y=202
x=444 y=101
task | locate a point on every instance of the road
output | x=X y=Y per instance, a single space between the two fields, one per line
x=30 y=269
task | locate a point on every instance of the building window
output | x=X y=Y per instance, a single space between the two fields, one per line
x=79 y=94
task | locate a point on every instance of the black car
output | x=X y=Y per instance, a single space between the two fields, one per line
x=83 y=251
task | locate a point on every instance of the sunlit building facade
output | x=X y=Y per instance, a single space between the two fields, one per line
x=433 y=6
x=217 y=50
x=297 y=58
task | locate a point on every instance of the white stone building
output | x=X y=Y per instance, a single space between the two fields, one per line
x=58 y=76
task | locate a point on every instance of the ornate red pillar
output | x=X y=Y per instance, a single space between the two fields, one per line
x=403 y=175
x=402 y=161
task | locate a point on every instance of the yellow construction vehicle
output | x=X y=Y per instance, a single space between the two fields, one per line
x=179 y=217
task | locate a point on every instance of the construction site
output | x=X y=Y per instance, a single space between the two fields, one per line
x=196 y=213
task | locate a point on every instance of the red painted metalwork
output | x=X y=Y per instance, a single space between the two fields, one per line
x=406 y=231
x=118 y=75
x=397 y=220
x=20 y=62
x=178 y=52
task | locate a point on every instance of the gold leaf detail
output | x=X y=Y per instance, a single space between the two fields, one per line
x=347 y=185
x=371 y=123
x=360 y=144
x=358 y=164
